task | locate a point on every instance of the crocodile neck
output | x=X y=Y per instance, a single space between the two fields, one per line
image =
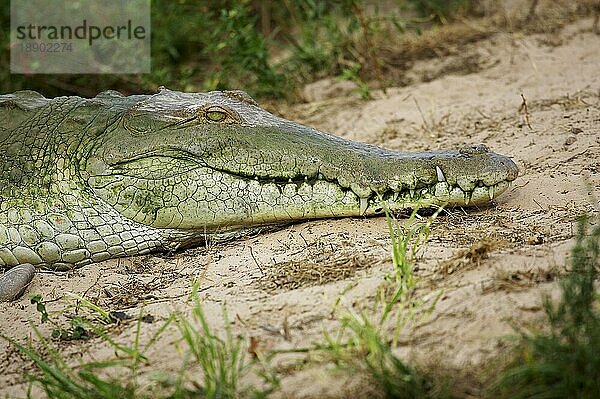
x=48 y=216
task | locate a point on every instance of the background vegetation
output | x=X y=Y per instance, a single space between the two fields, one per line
x=268 y=48
x=272 y=48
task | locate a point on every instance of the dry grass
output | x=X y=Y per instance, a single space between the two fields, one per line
x=133 y=290
x=435 y=42
x=520 y=280
x=470 y=258
x=323 y=262
x=397 y=53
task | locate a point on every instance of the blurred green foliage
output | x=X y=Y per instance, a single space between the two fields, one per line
x=440 y=10
x=561 y=360
x=268 y=48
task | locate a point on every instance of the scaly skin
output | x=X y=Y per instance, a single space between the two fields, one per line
x=85 y=180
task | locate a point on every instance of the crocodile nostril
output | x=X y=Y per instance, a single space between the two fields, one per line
x=474 y=149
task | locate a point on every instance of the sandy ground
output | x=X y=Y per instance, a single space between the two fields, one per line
x=269 y=282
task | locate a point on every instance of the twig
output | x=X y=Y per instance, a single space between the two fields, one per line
x=422 y=116
x=538 y=204
x=255 y=261
x=531 y=12
x=523 y=108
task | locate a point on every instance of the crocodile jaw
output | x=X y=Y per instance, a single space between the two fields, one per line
x=180 y=191
x=233 y=202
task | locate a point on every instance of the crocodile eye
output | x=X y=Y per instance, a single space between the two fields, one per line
x=216 y=116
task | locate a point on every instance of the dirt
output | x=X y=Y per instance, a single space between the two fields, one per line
x=534 y=97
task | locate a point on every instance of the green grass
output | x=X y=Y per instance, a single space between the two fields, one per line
x=92 y=380
x=561 y=359
x=363 y=344
x=212 y=366
x=84 y=317
x=222 y=361
x=407 y=243
x=361 y=348
x=272 y=49
x=558 y=360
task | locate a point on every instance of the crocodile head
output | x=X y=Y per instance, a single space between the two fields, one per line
x=217 y=161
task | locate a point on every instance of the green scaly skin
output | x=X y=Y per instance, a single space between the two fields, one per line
x=85 y=180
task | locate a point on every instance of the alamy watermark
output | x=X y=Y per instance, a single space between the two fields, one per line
x=80 y=36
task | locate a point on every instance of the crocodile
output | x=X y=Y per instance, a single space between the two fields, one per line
x=86 y=180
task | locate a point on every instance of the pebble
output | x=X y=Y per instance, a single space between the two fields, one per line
x=14 y=282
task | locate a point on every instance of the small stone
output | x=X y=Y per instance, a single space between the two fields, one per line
x=576 y=130
x=570 y=140
x=14 y=282
x=535 y=239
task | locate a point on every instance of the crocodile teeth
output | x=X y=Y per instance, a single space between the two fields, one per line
x=491 y=192
x=290 y=180
x=395 y=196
x=412 y=193
x=440 y=174
x=364 y=202
x=467 y=198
